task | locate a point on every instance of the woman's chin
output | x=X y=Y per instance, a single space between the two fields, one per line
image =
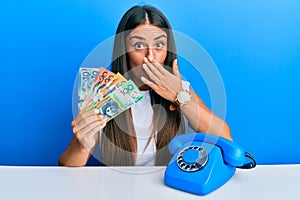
x=135 y=75
x=144 y=88
x=140 y=84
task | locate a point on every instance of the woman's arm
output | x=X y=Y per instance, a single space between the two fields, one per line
x=75 y=155
x=202 y=119
x=167 y=85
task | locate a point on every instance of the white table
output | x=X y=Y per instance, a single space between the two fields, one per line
x=104 y=183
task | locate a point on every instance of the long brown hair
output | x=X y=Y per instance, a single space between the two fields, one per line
x=118 y=141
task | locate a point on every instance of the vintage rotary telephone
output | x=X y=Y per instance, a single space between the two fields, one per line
x=204 y=162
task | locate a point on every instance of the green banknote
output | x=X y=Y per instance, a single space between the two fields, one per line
x=119 y=100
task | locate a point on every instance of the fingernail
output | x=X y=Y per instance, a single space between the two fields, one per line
x=145 y=59
x=75 y=130
x=99 y=118
x=96 y=111
x=144 y=65
x=142 y=78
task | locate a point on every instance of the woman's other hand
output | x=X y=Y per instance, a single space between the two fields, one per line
x=164 y=83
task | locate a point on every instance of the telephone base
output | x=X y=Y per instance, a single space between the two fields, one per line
x=213 y=175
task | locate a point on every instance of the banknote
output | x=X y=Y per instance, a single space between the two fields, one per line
x=103 y=76
x=100 y=91
x=87 y=75
x=116 y=82
x=121 y=99
x=110 y=93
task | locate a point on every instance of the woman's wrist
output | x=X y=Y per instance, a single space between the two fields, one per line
x=81 y=147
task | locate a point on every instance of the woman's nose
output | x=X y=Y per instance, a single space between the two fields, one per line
x=150 y=52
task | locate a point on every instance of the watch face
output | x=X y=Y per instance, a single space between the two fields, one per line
x=183 y=97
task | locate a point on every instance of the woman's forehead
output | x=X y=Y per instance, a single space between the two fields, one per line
x=147 y=31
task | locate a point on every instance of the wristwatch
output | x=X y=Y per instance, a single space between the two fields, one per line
x=183 y=97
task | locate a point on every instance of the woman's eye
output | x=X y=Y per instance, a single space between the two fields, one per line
x=159 y=45
x=138 y=45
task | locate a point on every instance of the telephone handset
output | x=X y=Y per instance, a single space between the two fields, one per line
x=203 y=162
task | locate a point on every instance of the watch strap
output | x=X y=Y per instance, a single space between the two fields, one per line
x=175 y=105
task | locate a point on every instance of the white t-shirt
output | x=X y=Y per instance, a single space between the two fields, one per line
x=142 y=114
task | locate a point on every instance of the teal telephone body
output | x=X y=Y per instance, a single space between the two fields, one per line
x=204 y=162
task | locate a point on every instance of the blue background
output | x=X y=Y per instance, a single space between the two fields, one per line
x=255 y=45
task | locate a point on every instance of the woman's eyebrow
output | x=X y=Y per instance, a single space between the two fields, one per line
x=136 y=37
x=141 y=38
x=160 y=37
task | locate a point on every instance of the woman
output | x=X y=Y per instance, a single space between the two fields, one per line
x=144 y=51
